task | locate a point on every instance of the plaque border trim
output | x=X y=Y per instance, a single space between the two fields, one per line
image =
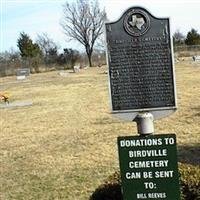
x=133 y=7
x=144 y=109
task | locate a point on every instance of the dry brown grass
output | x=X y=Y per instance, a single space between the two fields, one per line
x=64 y=145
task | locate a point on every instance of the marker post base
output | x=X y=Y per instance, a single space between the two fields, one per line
x=145 y=123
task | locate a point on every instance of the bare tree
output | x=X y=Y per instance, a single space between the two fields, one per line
x=178 y=38
x=9 y=62
x=83 y=21
x=48 y=46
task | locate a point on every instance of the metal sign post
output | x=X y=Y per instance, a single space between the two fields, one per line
x=145 y=123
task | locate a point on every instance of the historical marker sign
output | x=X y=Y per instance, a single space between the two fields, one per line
x=148 y=167
x=140 y=62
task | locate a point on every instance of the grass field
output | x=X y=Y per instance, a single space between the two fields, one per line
x=64 y=145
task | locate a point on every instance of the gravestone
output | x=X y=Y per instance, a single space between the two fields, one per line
x=23 y=73
x=63 y=73
x=76 y=69
x=196 y=58
x=141 y=73
x=16 y=104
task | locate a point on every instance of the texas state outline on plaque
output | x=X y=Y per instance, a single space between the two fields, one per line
x=137 y=22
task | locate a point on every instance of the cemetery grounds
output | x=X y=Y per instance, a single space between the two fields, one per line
x=64 y=145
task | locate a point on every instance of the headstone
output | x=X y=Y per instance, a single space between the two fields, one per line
x=21 y=77
x=141 y=72
x=76 y=69
x=148 y=167
x=23 y=73
x=63 y=73
x=16 y=104
x=196 y=58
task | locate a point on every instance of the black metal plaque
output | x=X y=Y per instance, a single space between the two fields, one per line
x=140 y=62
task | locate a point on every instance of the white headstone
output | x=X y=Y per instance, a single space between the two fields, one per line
x=23 y=73
x=76 y=69
x=21 y=77
x=63 y=73
x=196 y=58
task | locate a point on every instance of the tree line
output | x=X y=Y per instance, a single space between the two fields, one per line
x=44 y=55
x=83 y=22
x=192 y=38
x=45 y=51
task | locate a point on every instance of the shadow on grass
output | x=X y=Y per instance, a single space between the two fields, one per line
x=189 y=177
x=109 y=191
x=189 y=154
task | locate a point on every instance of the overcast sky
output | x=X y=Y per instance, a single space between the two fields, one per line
x=43 y=16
